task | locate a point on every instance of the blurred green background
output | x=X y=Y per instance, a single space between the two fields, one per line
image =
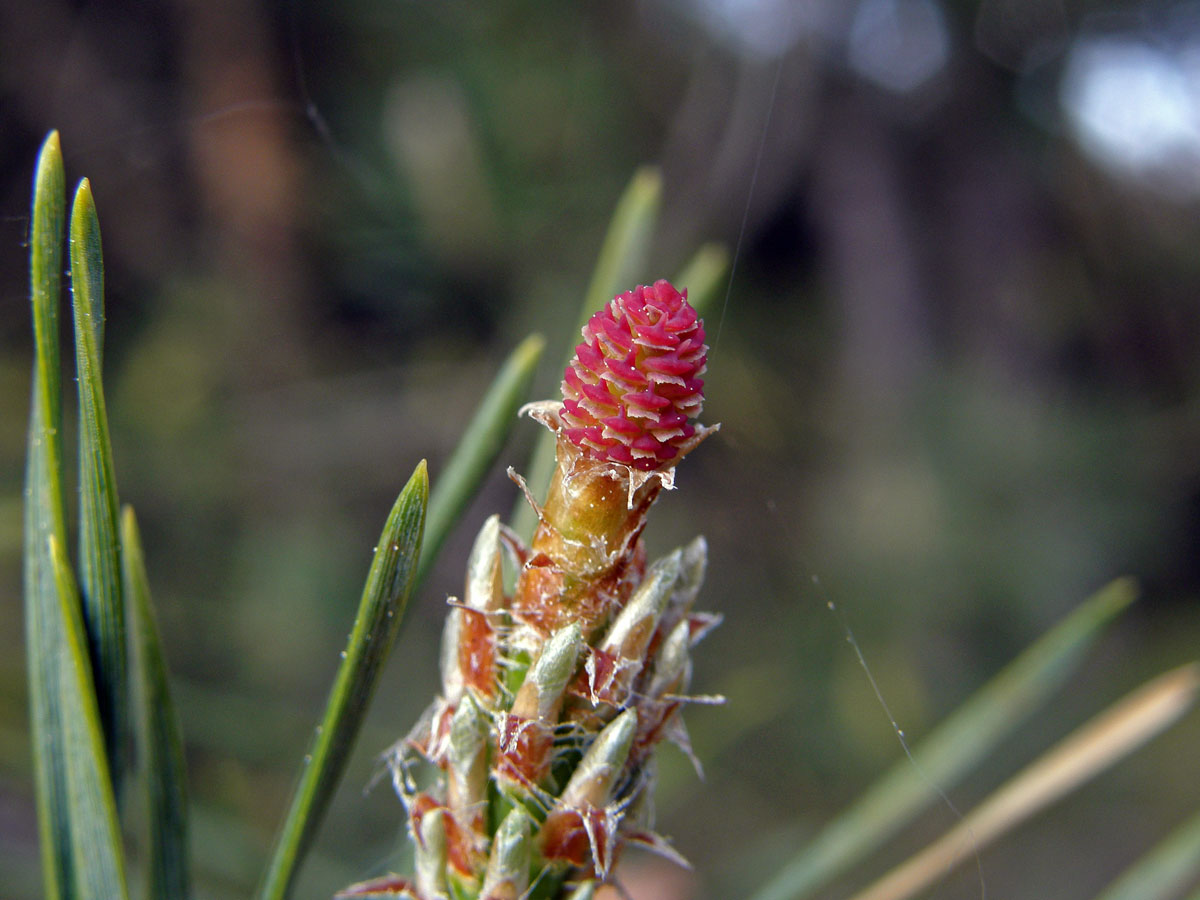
x=957 y=371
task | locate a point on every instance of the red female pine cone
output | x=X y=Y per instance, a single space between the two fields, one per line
x=623 y=424
x=634 y=382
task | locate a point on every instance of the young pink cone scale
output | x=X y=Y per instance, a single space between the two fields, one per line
x=634 y=381
x=556 y=689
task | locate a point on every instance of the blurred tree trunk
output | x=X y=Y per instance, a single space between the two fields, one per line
x=248 y=178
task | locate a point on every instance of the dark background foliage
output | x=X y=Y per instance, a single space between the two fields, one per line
x=956 y=370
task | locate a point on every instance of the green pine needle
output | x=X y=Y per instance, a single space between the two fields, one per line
x=704 y=276
x=480 y=446
x=99 y=542
x=45 y=519
x=384 y=599
x=159 y=743
x=97 y=857
x=1082 y=755
x=951 y=751
x=1164 y=871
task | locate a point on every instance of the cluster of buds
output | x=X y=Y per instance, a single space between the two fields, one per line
x=556 y=693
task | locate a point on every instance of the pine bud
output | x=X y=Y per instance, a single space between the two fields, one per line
x=596 y=775
x=452 y=675
x=469 y=642
x=527 y=732
x=612 y=667
x=484 y=590
x=630 y=634
x=582 y=830
x=692 y=567
x=467 y=764
x=671 y=664
x=541 y=695
x=431 y=855
x=508 y=867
